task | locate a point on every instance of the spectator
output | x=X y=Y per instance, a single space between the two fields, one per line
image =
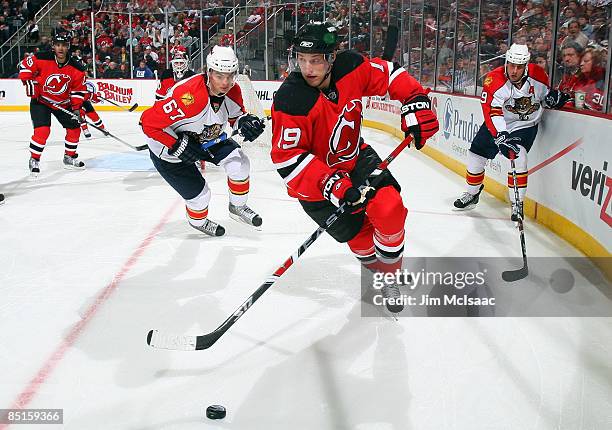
x=33 y=33
x=575 y=35
x=112 y=72
x=82 y=5
x=571 y=56
x=124 y=70
x=44 y=44
x=591 y=80
x=586 y=28
x=142 y=71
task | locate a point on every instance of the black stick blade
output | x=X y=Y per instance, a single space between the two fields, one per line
x=141 y=147
x=390 y=43
x=133 y=108
x=515 y=275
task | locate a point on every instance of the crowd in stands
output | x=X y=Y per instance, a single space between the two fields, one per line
x=453 y=55
x=16 y=13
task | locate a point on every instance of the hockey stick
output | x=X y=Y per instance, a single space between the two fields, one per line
x=515 y=275
x=123 y=108
x=158 y=339
x=390 y=43
x=100 y=129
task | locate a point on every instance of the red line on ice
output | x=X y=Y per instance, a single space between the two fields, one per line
x=26 y=396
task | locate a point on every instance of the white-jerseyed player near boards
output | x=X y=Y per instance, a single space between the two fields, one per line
x=186 y=126
x=513 y=100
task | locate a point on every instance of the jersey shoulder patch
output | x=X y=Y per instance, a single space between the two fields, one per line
x=345 y=63
x=495 y=79
x=295 y=96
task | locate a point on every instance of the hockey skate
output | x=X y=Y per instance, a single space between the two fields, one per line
x=467 y=200
x=1 y=198
x=34 y=165
x=245 y=214
x=73 y=163
x=210 y=228
x=85 y=131
x=517 y=212
x=392 y=292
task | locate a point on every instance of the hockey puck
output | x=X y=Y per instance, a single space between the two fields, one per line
x=215 y=412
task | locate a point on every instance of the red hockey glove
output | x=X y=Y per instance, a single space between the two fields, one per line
x=418 y=119
x=32 y=88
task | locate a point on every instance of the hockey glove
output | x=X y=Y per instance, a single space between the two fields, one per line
x=507 y=145
x=250 y=127
x=338 y=188
x=188 y=149
x=556 y=99
x=32 y=88
x=418 y=119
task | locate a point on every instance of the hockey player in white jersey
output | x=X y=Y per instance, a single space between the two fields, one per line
x=513 y=99
x=186 y=126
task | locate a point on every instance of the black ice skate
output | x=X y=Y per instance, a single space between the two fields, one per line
x=392 y=294
x=210 y=228
x=517 y=212
x=467 y=200
x=245 y=214
x=1 y=199
x=34 y=166
x=73 y=163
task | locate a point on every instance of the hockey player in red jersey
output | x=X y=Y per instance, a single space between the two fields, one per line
x=88 y=110
x=182 y=129
x=513 y=99
x=318 y=150
x=179 y=69
x=54 y=78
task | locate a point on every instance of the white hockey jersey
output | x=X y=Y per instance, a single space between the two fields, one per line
x=188 y=107
x=508 y=108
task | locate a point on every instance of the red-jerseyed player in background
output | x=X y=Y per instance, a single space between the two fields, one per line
x=318 y=150
x=54 y=77
x=181 y=128
x=513 y=99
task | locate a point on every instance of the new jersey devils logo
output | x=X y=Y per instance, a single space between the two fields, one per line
x=344 y=141
x=56 y=84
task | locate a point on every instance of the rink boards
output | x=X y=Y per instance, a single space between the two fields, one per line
x=570 y=184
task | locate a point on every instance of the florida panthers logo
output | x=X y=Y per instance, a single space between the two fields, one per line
x=523 y=108
x=344 y=141
x=57 y=84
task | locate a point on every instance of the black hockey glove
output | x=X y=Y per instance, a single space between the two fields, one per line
x=418 y=119
x=338 y=188
x=188 y=149
x=507 y=145
x=250 y=127
x=556 y=99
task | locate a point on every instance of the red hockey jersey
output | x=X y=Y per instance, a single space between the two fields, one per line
x=188 y=107
x=62 y=84
x=166 y=81
x=316 y=133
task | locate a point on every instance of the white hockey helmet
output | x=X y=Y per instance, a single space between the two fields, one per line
x=222 y=59
x=518 y=54
x=180 y=62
